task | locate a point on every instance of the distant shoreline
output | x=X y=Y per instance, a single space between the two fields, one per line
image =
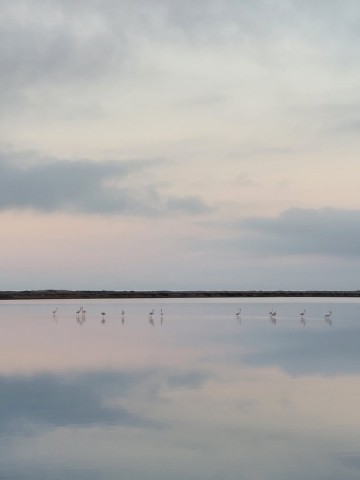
x=94 y=294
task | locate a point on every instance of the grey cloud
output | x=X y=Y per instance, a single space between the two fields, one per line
x=331 y=118
x=45 y=42
x=349 y=126
x=325 y=231
x=65 y=49
x=57 y=40
x=60 y=401
x=86 y=186
x=331 y=352
x=19 y=471
x=82 y=399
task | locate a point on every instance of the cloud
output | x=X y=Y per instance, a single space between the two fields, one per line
x=53 y=40
x=83 y=399
x=61 y=401
x=297 y=231
x=330 y=353
x=82 y=186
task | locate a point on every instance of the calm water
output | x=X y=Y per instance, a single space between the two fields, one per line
x=197 y=393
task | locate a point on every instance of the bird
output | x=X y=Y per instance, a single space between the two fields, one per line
x=54 y=311
x=273 y=316
x=327 y=317
x=103 y=317
x=238 y=313
x=303 y=313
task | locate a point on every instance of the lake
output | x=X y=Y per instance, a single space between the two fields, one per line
x=110 y=391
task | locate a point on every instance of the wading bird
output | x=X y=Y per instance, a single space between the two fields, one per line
x=327 y=317
x=273 y=316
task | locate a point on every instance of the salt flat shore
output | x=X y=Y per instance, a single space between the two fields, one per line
x=69 y=294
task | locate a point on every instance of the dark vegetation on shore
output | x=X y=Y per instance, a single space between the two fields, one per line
x=82 y=294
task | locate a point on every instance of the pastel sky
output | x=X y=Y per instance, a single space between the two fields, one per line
x=179 y=144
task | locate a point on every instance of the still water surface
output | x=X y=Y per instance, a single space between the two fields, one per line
x=196 y=393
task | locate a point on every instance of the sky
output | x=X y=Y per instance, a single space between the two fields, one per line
x=179 y=144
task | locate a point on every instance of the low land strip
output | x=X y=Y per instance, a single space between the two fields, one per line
x=83 y=294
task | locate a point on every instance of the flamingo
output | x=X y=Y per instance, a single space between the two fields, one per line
x=327 y=317
x=273 y=316
x=103 y=317
x=238 y=313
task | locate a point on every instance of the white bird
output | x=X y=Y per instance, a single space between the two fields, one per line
x=303 y=313
x=273 y=316
x=327 y=317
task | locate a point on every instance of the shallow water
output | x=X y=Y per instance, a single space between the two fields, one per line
x=197 y=393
